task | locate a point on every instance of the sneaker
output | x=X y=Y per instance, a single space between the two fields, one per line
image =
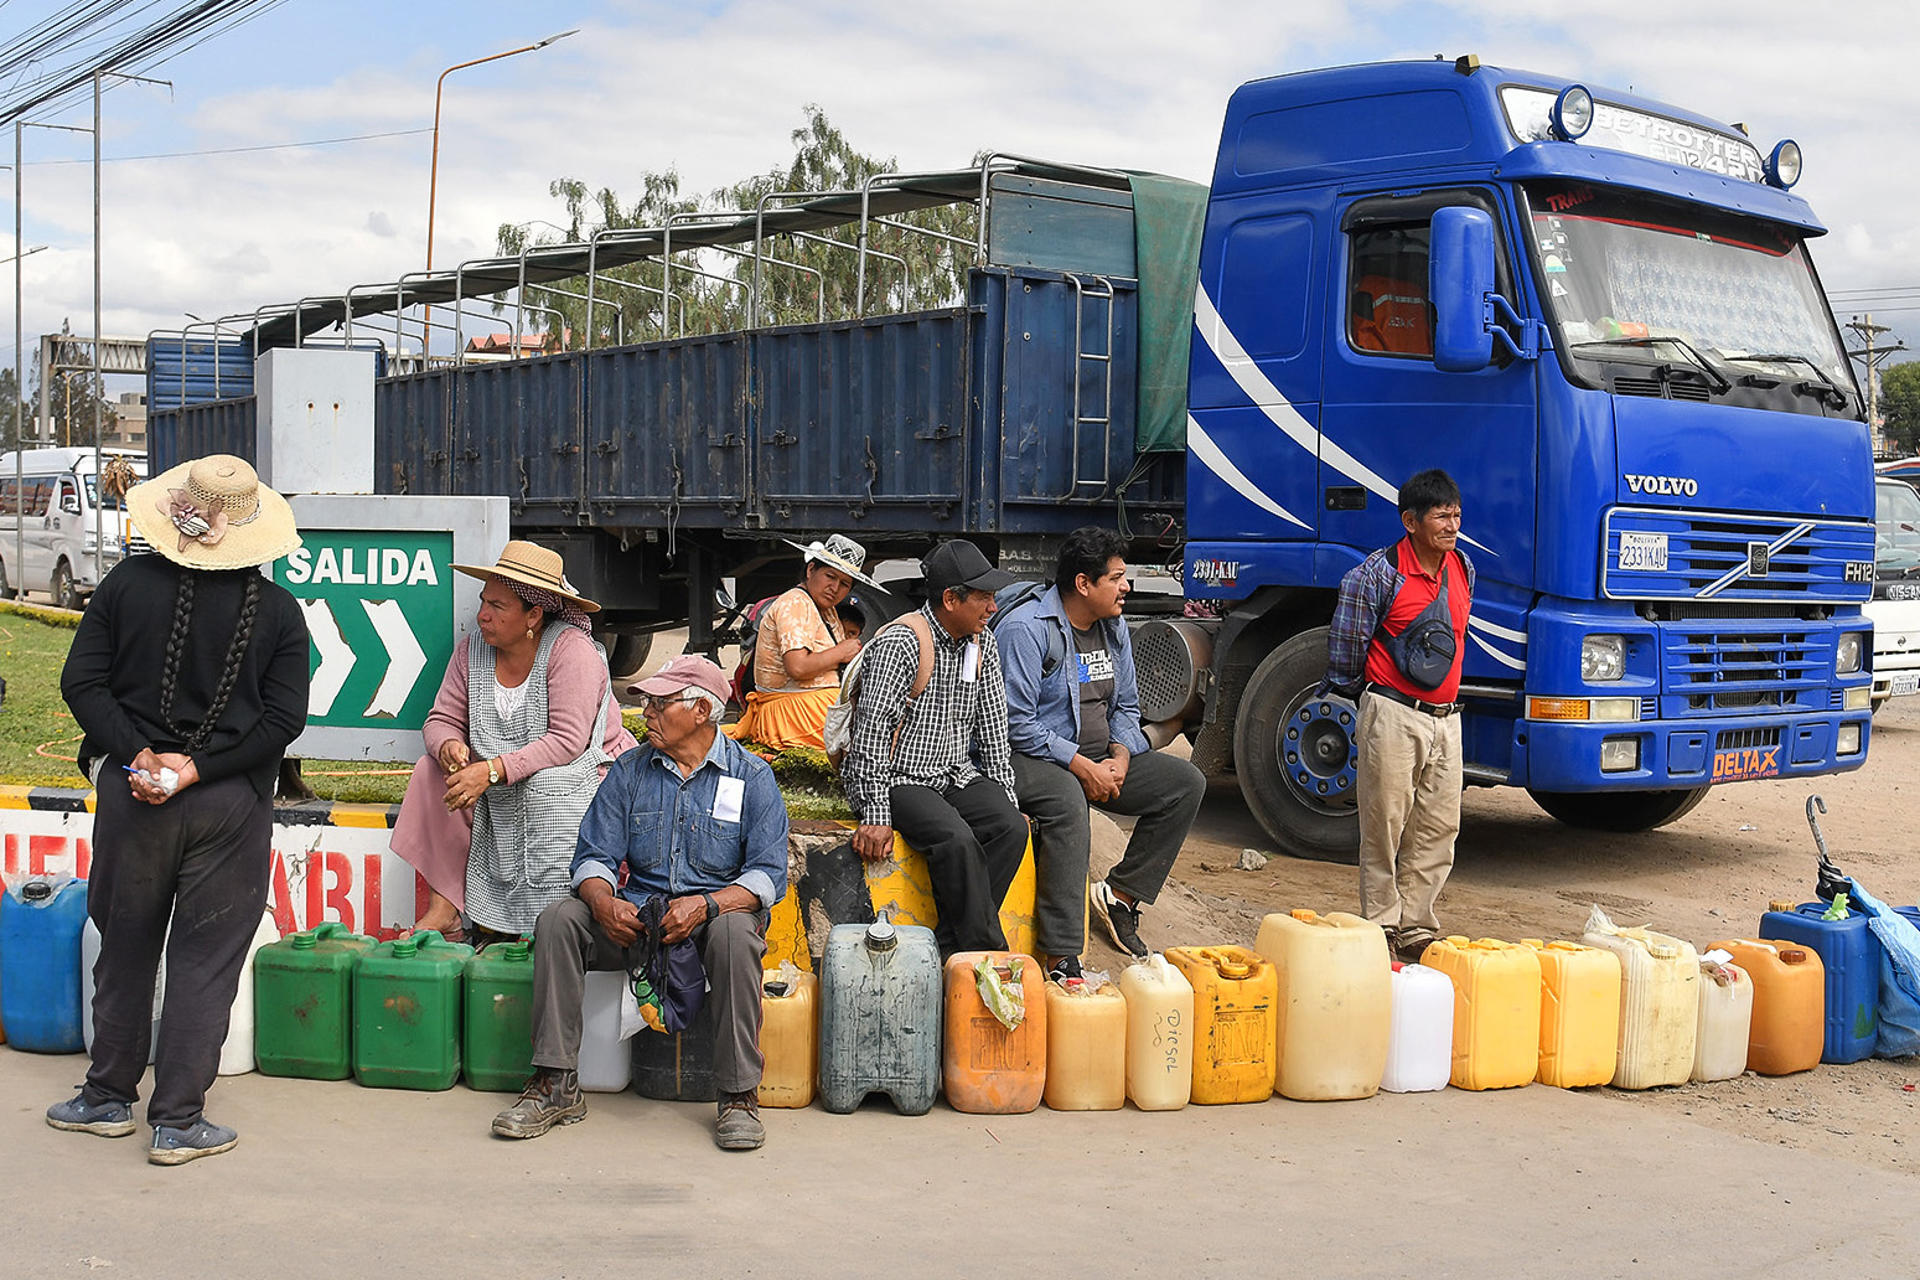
x=201 y=1138
x=103 y=1119
x=1066 y=969
x=739 y=1128
x=551 y=1097
x=1118 y=921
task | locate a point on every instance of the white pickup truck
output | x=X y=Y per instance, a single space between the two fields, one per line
x=1895 y=607
x=48 y=521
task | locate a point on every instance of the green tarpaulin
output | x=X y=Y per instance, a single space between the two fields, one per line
x=1168 y=215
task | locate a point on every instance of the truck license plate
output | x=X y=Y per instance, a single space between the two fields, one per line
x=1647 y=551
x=1903 y=684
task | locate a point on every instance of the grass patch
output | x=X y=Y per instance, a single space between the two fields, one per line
x=35 y=725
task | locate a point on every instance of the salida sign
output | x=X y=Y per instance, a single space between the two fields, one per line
x=379 y=606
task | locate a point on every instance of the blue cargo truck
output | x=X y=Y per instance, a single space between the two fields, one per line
x=1597 y=312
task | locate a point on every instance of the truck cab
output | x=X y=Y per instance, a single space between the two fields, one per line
x=1597 y=313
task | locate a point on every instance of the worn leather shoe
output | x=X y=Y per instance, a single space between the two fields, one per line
x=739 y=1128
x=551 y=1097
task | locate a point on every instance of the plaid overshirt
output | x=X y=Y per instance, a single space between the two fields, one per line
x=1366 y=593
x=953 y=723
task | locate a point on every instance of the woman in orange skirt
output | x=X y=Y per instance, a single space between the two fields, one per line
x=803 y=643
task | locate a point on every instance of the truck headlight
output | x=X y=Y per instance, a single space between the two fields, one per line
x=1603 y=658
x=1619 y=755
x=1848 y=651
x=1847 y=741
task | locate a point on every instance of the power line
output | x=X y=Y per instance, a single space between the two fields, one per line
x=229 y=151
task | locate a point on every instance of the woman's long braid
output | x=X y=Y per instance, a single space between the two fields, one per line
x=230 y=672
x=176 y=645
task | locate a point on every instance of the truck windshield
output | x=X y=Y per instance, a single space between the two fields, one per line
x=1632 y=279
x=1896 y=519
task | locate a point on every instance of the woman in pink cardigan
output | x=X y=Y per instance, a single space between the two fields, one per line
x=521 y=733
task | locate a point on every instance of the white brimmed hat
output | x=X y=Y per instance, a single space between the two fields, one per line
x=837 y=552
x=534 y=566
x=213 y=513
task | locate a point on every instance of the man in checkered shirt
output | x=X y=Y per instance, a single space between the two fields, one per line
x=938 y=768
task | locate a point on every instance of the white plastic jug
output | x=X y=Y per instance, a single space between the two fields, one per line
x=236 y=1055
x=89 y=954
x=1159 y=1034
x=1726 y=1018
x=1420 y=1039
x=606 y=1061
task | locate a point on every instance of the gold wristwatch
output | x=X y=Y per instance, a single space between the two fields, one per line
x=493 y=772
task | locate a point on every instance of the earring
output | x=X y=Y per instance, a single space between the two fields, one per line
x=529 y=633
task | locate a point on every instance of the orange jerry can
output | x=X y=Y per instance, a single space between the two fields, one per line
x=1789 y=1004
x=1236 y=996
x=989 y=1067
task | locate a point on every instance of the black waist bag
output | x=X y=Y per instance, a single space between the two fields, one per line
x=1425 y=650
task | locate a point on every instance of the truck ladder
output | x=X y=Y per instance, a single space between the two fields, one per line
x=1100 y=291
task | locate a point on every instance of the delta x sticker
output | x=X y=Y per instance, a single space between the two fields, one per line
x=1737 y=764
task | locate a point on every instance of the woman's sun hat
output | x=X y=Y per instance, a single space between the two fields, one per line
x=213 y=513
x=533 y=566
x=837 y=552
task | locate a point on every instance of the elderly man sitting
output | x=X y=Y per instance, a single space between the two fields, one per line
x=698 y=821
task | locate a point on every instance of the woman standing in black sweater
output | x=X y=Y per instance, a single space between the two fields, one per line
x=189 y=676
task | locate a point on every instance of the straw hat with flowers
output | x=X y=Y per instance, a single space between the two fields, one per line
x=213 y=513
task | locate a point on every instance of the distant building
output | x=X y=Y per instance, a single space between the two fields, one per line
x=127 y=427
x=499 y=346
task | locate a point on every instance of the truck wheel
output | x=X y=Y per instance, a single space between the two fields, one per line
x=66 y=593
x=628 y=653
x=1294 y=753
x=1618 y=810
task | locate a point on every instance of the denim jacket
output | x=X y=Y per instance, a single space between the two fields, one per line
x=674 y=835
x=1043 y=711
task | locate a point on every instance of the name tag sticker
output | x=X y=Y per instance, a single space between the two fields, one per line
x=727 y=799
x=970 y=662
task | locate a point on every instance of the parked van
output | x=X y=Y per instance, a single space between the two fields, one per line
x=1895 y=607
x=47 y=524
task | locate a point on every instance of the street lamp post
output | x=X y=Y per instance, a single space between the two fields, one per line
x=433 y=176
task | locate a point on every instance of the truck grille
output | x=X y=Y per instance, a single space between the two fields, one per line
x=1759 y=668
x=1735 y=558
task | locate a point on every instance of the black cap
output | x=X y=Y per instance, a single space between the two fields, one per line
x=959 y=564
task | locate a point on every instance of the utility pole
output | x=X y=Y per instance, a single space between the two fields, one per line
x=1871 y=358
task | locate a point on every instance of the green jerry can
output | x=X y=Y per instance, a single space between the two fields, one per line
x=499 y=1019
x=303 y=1000
x=406 y=1013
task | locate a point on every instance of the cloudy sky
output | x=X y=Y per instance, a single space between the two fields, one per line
x=715 y=87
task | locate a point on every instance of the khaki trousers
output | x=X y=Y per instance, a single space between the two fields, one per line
x=1409 y=794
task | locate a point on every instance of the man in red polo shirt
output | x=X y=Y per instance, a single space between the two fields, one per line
x=1398 y=635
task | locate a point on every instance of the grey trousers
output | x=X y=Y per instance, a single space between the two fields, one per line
x=1164 y=791
x=204 y=858
x=568 y=943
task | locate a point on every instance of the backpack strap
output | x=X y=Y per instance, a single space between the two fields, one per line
x=916 y=622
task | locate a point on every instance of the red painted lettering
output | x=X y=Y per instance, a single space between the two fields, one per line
x=372 y=921
x=282 y=897
x=339 y=896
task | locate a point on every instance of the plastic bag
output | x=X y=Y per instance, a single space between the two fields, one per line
x=1899 y=1034
x=782 y=982
x=1006 y=999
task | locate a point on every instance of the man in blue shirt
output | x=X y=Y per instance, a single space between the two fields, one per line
x=1073 y=716
x=697 y=820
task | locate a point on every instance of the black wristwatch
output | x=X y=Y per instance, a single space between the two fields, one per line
x=713 y=908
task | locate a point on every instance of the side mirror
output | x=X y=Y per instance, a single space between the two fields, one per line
x=70 y=503
x=1459 y=278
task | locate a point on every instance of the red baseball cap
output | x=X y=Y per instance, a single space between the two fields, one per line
x=688 y=671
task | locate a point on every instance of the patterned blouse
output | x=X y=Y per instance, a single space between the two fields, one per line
x=793 y=621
